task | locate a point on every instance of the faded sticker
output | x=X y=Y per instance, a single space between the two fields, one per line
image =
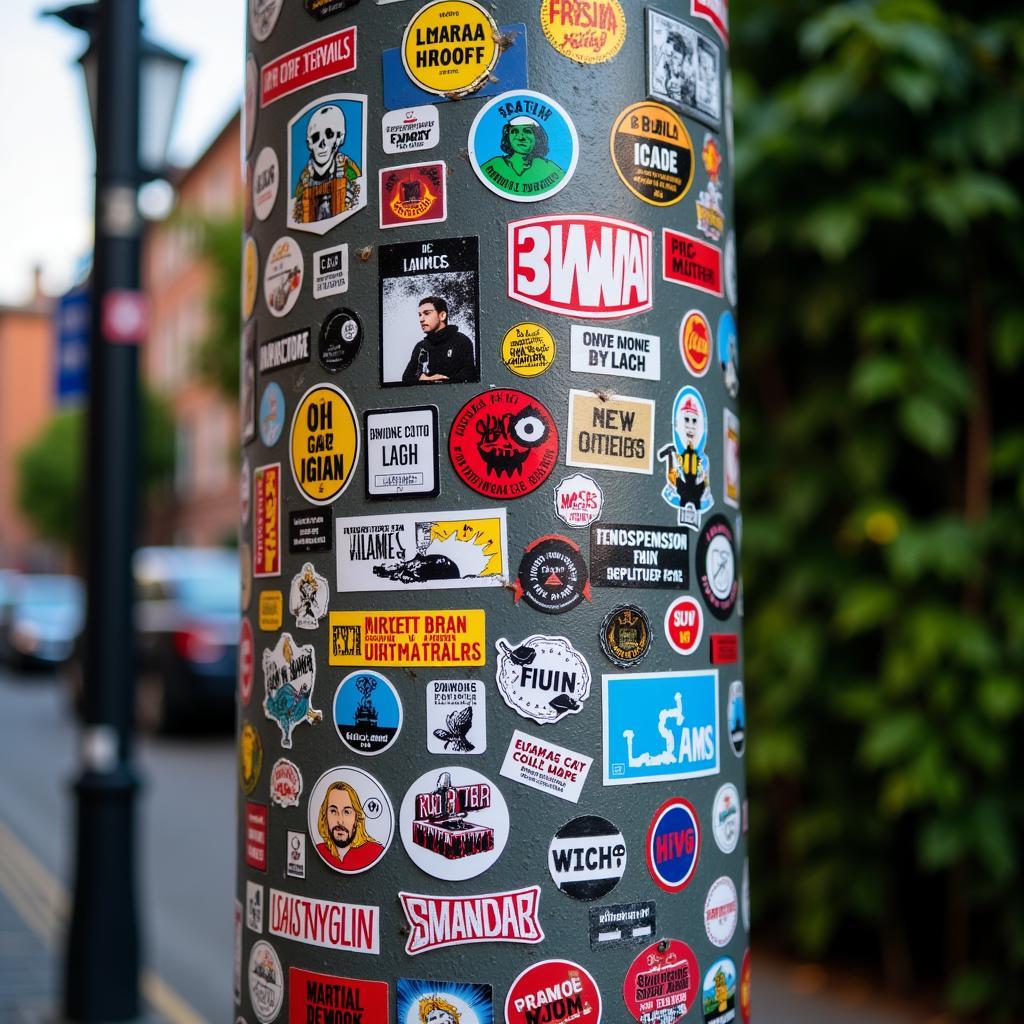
x=250 y=758
x=296 y=861
x=731 y=458
x=254 y=907
x=615 y=433
x=546 y=766
x=247 y=382
x=456 y=716
x=263 y=15
x=266 y=177
x=725 y=818
x=282 y=276
x=266 y=982
x=271 y=414
x=256 y=835
x=285 y=783
x=729 y=352
x=736 y=713
x=443 y=638
x=271 y=610
x=542 y=677
x=721 y=911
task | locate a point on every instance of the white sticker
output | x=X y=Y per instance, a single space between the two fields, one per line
x=731 y=458
x=615 y=352
x=282 y=276
x=238 y=952
x=456 y=716
x=265 y=179
x=725 y=818
x=542 y=677
x=350 y=820
x=578 y=500
x=721 y=911
x=330 y=271
x=285 y=783
x=587 y=857
x=266 y=982
x=411 y=129
x=263 y=16
x=254 y=907
x=308 y=597
x=546 y=766
x=745 y=896
x=401 y=452
x=296 y=865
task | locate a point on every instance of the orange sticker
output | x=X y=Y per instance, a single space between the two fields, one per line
x=695 y=342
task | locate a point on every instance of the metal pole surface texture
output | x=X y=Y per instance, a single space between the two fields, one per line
x=490 y=721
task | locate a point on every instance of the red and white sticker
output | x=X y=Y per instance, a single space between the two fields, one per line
x=266 y=177
x=689 y=261
x=578 y=500
x=285 y=783
x=124 y=316
x=684 y=625
x=546 y=766
x=348 y=926
x=721 y=911
x=307 y=64
x=324 y=997
x=715 y=11
x=256 y=836
x=246 y=660
x=662 y=982
x=695 y=341
x=555 y=992
x=266 y=524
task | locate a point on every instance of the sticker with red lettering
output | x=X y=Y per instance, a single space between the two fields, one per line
x=695 y=342
x=689 y=261
x=721 y=911
x=323 y=997
x=266 y=982
x=256 y=835
x=673 y=844
x=308 y=64
x=350 y=927
x=684 y=625
x=556 y=992
x=546 y=766
x=266 y=526
x=413 y=194
x=662 y=982
x=246 y=661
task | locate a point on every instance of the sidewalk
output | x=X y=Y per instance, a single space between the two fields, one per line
x=28 y=970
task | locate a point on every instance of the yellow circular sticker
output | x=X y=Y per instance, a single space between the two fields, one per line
x=250 y=758
x=588 y=33
x=250 y=271
x=528 y=349
x=652 y=153
x=450 y=47
x=324 y=446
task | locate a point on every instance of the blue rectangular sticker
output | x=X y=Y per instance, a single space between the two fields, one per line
x=660 y=726
x=509 y=73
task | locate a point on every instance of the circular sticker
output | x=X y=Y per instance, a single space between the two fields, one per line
x=553 y=576
x=245 y=559
x=729 y=268
x=695 y=342
x=246 y=661
x=271 y=414
x=673 y=844
x=721 y=911
x=578 y=501
x=244 y=489
x=247 y=175
x=250 y=758
x=341 y=334
x=282 y=276
x=324 y=445
x=528 y=349
x=626 y=635
x=729 y=353
x=542 y=677
x=586 y=33
x=737 y=714
x=265 y=180
x=652 y=153
x=715 y=564
x=523 y=146
x=745 y=896
x=367 y=712
x=263 y=17
x=718 y=993
x=587 y=857
x=503 y=444
x=684 y=625
x=725 y=818
x=662 y=982
x=744 y=995
x=250 y=274
x=266 y=981
x=350 y=820
x=285 y=783
x=450 y=47
x=556 y=992
x=252 y=80
x=454 y=823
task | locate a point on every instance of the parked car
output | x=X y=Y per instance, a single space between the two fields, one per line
x=43 y=620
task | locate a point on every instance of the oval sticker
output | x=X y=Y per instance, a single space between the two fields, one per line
x=324 y=447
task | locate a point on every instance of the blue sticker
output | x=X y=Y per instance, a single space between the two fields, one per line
x=443 y=1002
x=660 y=726
x=718 y=993
x=737 y=714
x=687 y=467
x=673 y=845
x=367 y=712
x=509 y=73
x=729 y=353
x=271 y=414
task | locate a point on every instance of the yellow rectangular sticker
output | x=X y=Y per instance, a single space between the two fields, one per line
x=448 y=638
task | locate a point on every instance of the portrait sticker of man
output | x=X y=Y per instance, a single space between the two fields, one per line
x=444 y=355
x=345 y=844
x=683 y=68
x=429 y=1001
x=437 y=1010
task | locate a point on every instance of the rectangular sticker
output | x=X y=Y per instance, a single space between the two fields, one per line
x=247 y=382
x=401 y=452
x=307 y=64
x=330 y=271
x=684 y=67
x=420 y=999
x=422 y=551
x=625 y=555
x=266 y=520
x=616 y=434
x=660 y=727
x=725 y=648
x=413 y=194
x=284 y=350
x=411 y=129
x=456 y=716
x=323 y=997
x=256 y=835
x=622 y=924
x=691 y=262
x=238 y=952
x=348 y=926
x=731 y=458
x=254 y=907
x=447 y=639
x=271 y=610
x=546 y=766
x=615 y=352
x=309 y=531
x=296 y=864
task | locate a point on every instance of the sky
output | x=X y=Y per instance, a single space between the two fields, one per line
x=47 y=163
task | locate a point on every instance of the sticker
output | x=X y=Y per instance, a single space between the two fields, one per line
x=725 y=648
x=615 y=433
x=443 y=638
x=250 y=276
x=308 y=597
x=247 y=384
x=731 y=289
x=745 y=894
x=546 y=767
x=543 y=677
x=430 y=550
x=660 y=726
x=436 y=922
x=346 y=926
x=503 y=444
x=367 y=712
x=587 y=857
x=729 y=351
x=313 y=62
x=443 y=1002
x=725 y=818
x=730 y=458
x=282 y=277
x=405 y=131
x=456 y=716
x=552 y=575
x=737 y=715
x=266 y=982
x=283 y=351
x=323 y=997
x=324 y=444
x=580 y=265
x=553 y=991
x=413 y=194
x=662 y=983
x=710 y=214
x=721 y=911
x=621 y=924
x=263 y=16
x=528 y=349
x=454 y=823
x=245 y=584
x=323 y=9
x=450 y=47
x=684 y=625
x=683 y=67
x=256 y=835
x=689 y=261
x=296 y=862
x=327 y=162
x=626 y=635
x=430 y=312
x=673 y=844
x=238 y=952
x=285 y=784
x=719 y=992
x=578 y=501
x=628 y=555
x=246 y=658
x=714 y=565
x=652 y=153
x=401 y=452
x=330 y=271
x=266 y=521
x=695 y=342
x=271 y=610
x=744 y=996
x=586 y=33
x=523 y=146
x=341 y=334
x=254 y=907
x=250 y=758
x=615 y=352
x=309 y=531
x=289 y=675
x=714 y=11
x=249 y=105
x=687 y=468
x=247 y=178
x=265 y=179
x=350 y=820
x=271 y=414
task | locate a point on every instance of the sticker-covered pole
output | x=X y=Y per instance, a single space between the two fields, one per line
x=491 y=723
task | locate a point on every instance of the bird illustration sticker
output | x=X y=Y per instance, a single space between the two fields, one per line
x=456 y=716
x=350 y=819
x=289 y=674
x=367 y=712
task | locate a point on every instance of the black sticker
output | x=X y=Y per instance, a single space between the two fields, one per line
x=639 y=557
x=715 y=567
x=340 y=337
x=626 y=635
x=321 y=9
x=310 y=530
x=553 y=575
x=587 y=857
x=622 y=924
x=290 y=349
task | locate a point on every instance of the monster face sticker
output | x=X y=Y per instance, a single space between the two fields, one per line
x=289 y=674
x=542 y=677
x=687 y=468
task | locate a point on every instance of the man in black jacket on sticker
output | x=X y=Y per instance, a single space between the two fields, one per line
x=444 y=354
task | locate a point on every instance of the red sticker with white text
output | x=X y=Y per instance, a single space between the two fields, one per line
x=662 y=982
x=555 y=992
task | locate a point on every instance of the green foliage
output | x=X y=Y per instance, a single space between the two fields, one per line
x=217 y=354
x=879 y=213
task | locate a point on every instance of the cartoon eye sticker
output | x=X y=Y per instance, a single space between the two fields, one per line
x=529 y=428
